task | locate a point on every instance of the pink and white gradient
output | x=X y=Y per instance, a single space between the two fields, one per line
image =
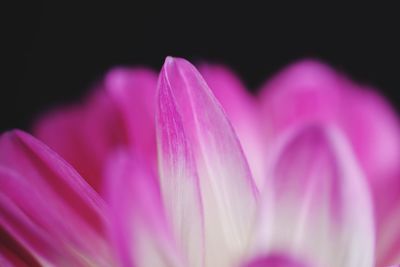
x=188 y=169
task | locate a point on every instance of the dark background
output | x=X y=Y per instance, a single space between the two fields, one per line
x=56 y=51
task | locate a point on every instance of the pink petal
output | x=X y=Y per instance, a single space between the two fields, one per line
x=47 y=207
x=388 y=247
x=316 y=202
x=134 y=92
x=178 y=178
x=227 y=189
x=305 y=92
x=118 y=113
x=140 y=230
x=243 y=111
x=7 y=259
x=79 y=135
x=375 y=133
x=275 y=260
x=374 y=130
x=12 y=254
x=311 y=92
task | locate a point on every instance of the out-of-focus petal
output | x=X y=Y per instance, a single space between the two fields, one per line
x=243 y=111
x=178 y=178
x=47 y=207
x=9 y=259
x=84 y=135
x=374 y=131
x=13 y=254
x=227 y=189
x=275 y=260
x=141 y=233
x=134 y=92
x=305 y=92
x=118 y=113
x=388 y=246
x=316 y=203
x=310 y=92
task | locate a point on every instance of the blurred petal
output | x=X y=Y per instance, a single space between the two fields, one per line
x=134 y=92
x=374 y=131
x=243 y=111
x=228 y=191
x=13 y=254
x=8 y=259
x=47 y=207
x=140 y=230
x=316 y=205
x=309 y=92
x=388 y=247
x=305 y=92
x=179 y=180
x=274 y=260
x=81 y=138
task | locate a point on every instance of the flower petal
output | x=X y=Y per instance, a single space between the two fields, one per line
x=140 y=230
x=274 y=260
x=13 y=254
x=47 y=207
x=227 y=189
x=374 y=131
x=81 y=138
x=316 y=203
x=243 y=111
x=178 y=179
x=388 y=246
x=305 y=92
x=134 y=92
x=309 y=92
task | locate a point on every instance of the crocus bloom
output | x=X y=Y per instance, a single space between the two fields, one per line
x=193 y=171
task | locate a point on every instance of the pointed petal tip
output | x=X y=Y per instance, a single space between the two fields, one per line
x=178 y=61
x=169 y=59
x=19 y=135
x=14 y=134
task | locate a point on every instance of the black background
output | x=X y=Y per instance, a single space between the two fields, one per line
x=56 y=51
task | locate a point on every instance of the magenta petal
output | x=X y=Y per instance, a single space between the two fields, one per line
x=47 y=206
x=243 y=111
x=388 y=247
x=81 y=138
x=316 y=202
x=9 y=259
x=134 y=92
x=13 y=254
x=310 y=92
x=274 y=260
x=140 y=230
x=227 y=189
x=374 y=131
x=305 y=92
x=179 y=179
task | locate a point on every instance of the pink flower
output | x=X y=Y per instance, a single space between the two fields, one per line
x=177 y=174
